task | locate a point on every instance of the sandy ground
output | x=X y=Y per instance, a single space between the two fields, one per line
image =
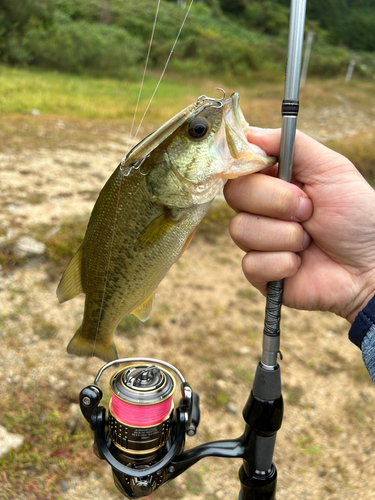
x=207 y=322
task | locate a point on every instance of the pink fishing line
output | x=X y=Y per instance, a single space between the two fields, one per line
x=140 y=415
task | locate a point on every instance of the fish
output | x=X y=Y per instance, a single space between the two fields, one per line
x=147 y=212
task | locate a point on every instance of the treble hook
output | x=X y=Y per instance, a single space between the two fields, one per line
x=136 y=165
x=223 y=91
x=203 y=99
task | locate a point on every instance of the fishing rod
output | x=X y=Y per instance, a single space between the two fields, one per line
x=143 y=435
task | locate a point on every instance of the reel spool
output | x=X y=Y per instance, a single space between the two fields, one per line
x=140 y=411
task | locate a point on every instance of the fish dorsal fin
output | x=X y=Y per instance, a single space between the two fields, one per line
x=71 y=282
x=143 y=311
x=155 y=231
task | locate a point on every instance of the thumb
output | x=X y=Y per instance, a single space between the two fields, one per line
x=310 y=157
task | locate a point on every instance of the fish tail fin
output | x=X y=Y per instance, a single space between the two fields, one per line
x=80 y=346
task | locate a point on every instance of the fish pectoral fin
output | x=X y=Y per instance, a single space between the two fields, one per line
x=143 y=311
x=71 y=282
x=156 y=230
x=81 y=346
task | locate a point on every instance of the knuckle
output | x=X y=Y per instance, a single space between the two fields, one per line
x=238 y=228
x=295 y=236
x=285 y=202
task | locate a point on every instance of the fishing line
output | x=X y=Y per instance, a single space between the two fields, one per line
x=121 y=176
x=145 y=68
x=140 y=415
x=165 y=68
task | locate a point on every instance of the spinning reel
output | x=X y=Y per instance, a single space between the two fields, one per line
x=143 y=435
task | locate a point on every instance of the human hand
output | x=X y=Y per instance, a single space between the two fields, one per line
x=317 y=232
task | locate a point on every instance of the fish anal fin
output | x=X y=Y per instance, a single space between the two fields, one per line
x=82 y=347
x=156 y=230
x=71 y=282
x=143 y=311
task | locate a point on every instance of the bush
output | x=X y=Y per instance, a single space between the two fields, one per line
x=220 y=37
x=77 y=47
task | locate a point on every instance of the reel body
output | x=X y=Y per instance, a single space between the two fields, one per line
x=142 y=431
x=143 y=435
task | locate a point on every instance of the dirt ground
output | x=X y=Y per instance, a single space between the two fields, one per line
x=207 y=322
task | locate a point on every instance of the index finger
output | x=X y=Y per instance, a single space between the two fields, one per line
x=268 y=196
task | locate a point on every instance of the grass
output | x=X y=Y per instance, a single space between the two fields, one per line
x=52 y=450
x=75 y=96
x=79 y=109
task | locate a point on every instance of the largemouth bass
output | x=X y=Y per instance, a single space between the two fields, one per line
x=147 y=212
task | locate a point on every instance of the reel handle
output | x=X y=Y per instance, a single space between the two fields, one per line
x=195 y=415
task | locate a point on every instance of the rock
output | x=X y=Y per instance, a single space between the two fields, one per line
x=244 y=350
x=231 y=407
x=26 y=246
x=64 y=485
x=9 y=441
x=12 y=208
x=35 y=112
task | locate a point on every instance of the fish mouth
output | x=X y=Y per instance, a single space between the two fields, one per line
x=241 y=156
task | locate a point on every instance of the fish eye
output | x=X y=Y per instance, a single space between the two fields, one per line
x=199 y=128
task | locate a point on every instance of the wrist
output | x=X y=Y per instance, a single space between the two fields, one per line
x=360 y=301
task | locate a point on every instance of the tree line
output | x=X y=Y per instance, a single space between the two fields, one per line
x=227 y=37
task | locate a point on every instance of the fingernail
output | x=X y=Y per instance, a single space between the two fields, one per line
x=304 y=210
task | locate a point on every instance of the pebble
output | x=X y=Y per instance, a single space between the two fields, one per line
x=12 y=208
x=244 y=350
x=231 y=407
x=64 y=486
x=28 y=247
x=9 y=441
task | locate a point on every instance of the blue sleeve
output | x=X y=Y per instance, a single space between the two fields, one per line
x=362 y=334
x=368 y=352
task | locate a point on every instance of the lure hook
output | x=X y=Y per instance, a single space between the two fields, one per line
x=203 y=100
x=127 y=171
x=223 y=91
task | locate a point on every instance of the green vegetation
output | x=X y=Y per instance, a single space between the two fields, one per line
x=231 y=39
x=53 y=450
x=86 y=97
